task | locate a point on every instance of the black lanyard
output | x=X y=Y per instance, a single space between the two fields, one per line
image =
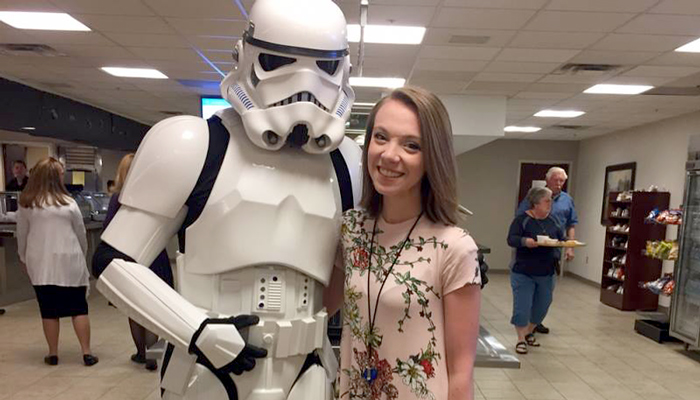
x=371 y=375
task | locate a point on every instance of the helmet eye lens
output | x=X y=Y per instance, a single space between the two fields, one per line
x=329 y=66
x=270 y=62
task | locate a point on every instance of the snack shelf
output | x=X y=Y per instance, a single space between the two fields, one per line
x=628 y=215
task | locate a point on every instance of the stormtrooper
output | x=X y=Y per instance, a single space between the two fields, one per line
x=255 y=195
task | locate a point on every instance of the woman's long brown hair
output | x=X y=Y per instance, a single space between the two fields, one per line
x=45 y=186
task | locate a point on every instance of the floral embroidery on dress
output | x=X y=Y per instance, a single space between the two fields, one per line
x=371 y=377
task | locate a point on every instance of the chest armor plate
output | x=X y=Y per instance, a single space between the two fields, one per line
x=267 y=208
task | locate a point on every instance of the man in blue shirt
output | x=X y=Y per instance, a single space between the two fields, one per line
x=563 y=211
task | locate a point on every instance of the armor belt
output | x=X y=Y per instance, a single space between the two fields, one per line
x=290 y=338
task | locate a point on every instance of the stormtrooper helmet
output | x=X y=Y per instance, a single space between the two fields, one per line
x=290 y=78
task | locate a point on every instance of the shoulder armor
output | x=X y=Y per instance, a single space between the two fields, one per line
x=352 y=153
x=166 y=166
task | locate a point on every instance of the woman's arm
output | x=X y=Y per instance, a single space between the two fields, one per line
x=461 y=332
x=22 y=231
x=78 y=226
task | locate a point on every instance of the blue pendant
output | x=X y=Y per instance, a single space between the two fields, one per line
x=370 y=374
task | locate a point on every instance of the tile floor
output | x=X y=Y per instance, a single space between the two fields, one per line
x=591 y=354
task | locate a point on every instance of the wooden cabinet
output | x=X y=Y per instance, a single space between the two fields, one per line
x=624 y=263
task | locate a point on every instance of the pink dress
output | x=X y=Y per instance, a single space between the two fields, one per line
x=401 y=355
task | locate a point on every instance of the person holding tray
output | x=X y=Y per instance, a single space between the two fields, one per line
x=532 y=274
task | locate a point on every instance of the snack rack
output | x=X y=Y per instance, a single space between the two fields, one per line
x=624 y=264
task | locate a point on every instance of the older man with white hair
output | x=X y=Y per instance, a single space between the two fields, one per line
x=563 y=211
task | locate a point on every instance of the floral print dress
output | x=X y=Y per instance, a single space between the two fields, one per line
x=401 y=354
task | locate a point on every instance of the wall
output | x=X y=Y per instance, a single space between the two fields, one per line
x=488 y=186
x=660 y=151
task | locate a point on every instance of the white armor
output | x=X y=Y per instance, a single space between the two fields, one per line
x=265 y=240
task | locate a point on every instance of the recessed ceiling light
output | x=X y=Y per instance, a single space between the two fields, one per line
x=559 y=113
x=42 y=21
x=692 y=47
x=360 y=139
x=528 y=129
x=28 y=128
x=377 y=82
x=388 y=34
x=134 y=72
x=618 y=89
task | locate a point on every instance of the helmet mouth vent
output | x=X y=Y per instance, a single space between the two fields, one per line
x=299 y=136
x=305 y=96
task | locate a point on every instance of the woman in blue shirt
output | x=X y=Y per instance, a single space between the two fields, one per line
x=532 y=275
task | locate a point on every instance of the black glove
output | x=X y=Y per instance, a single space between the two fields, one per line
x=245 y=361
x=483 y=268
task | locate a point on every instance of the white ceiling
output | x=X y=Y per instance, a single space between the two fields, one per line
x=513 y=48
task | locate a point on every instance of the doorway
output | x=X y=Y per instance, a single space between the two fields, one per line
x=533 y=174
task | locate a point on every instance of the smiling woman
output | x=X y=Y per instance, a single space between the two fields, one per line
x=409 y=278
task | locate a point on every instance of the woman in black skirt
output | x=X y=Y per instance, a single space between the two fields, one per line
x=51 y=242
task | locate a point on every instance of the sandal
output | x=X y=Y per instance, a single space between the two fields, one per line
x=521 y=348
x=531 y=341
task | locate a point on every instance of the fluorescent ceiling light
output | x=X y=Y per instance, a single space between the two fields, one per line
x=692 y=47
x=388 y=34
x=559 y=113
x=528 y=129
x=363 y=104
x=617 y=89
x=377 y=82
x=28 y=128
x=134 y=72
x=42 y=21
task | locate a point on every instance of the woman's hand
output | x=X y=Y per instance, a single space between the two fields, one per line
x=530 y=243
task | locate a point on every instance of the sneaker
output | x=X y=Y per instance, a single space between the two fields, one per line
x=541 y=329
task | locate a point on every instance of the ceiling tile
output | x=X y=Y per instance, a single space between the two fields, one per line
x=195 y=9
x=649 y=70
x=147 y=40
x=462 y=76
x=633 y=42
x=120 y=7
x=663 y=25
x=559 y=40
x=467 y=37
x=385 y=50
x=208 y=27
x=676 y=59
x=629 y=6
x=575 y=78
x=26 y=5
x=536 y=55
x=613 y=57
x=455 y=65
x=506 y=77
x=572 y=88
x=681 y=7
x=465 y=18
x=387 y=66
x=459 y=53
x=521 y=67
x=150 y=53
x=395 y=2
x=51 y=37
x=513 y=87
x=131 y=24
x=542 y=96
x=213 y=42
x=688 y=81
x=501 y=4
x=388 y=15
x=562 y=21
x=102 y=52
x=638 y=80
x=439 y=86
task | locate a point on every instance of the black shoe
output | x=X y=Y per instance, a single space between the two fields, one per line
x=51 y=360
x=2 y=311
x=138 y=358
x=541 y=329
x=89 y=360
x=151 y=364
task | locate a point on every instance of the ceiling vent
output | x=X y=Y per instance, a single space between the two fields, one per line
x=468 y=39
x=571 y=127
x=26 y=49
x=587 y=69
x=673 y=91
